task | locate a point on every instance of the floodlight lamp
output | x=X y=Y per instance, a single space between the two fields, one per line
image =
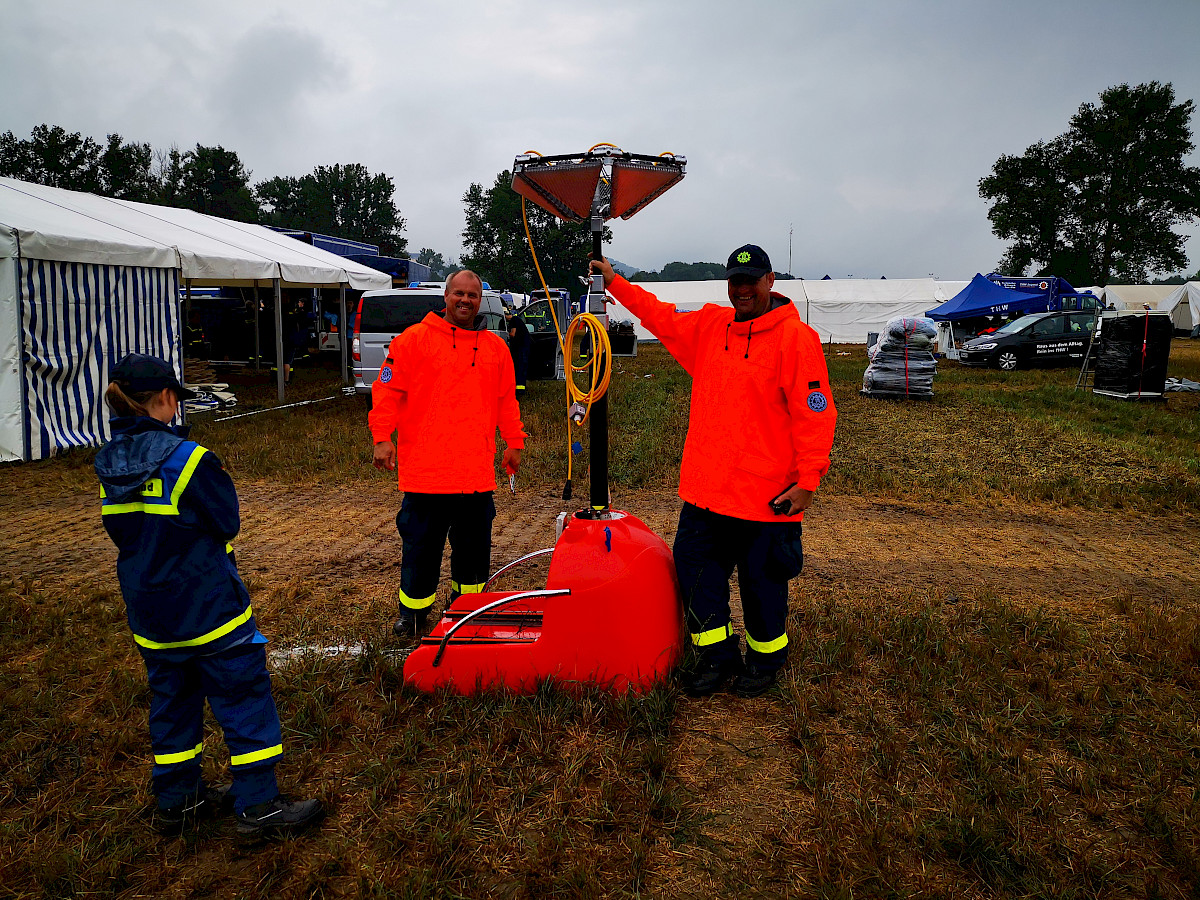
x=603 y=183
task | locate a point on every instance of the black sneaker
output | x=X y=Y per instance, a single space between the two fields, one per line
x=278 y=817
x=212 y=801
x=408 y=626
x=706 y=680
x=754 y=682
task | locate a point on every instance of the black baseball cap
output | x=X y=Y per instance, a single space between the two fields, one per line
x=141 y=372
x=749 y=259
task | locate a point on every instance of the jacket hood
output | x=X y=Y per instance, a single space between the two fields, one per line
x=139 y=447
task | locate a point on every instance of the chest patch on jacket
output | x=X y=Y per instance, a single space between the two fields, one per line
x=817 y=401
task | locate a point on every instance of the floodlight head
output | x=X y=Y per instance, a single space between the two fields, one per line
x=604 y=183
x=564 y=188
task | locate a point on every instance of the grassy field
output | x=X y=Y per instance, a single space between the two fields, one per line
x=924 y=742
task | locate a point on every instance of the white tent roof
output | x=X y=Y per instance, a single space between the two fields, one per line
x=69 y=226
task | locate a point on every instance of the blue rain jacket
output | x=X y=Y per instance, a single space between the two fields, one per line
x=171 y=509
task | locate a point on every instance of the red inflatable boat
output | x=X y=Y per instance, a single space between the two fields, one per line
x=610 y=615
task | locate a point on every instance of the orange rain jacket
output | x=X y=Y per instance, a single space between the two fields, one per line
x=762 y=415
x=444 y=390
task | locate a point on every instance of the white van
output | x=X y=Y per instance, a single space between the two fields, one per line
x=384 y=314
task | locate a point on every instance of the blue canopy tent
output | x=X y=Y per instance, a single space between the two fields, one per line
x=986 y=298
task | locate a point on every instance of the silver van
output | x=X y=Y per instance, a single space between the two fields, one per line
x=384 y=314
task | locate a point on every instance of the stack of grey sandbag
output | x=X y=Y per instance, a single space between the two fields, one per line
x=902 y=364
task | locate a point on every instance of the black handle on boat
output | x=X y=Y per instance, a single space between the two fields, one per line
x=495 y=604
x=516 y=562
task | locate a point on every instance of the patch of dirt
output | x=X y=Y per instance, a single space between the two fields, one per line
x=319 y=562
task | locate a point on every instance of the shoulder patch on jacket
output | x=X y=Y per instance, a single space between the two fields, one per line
x=812 y=385
x=817 y=401
x=385 y=374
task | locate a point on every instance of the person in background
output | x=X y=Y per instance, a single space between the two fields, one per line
x=759 y=437
x=171 y=509
x=518 y=346
x=444 y=388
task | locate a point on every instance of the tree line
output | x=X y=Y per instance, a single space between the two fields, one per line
x=1097 y=205
x=344 y=200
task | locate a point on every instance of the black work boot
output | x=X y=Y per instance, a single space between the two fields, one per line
x=706 y=679
x=409 y=624
x=278 y=817
x=212 y=801
x=754 y=682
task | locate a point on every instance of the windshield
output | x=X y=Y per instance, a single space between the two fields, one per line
x=1016 y=325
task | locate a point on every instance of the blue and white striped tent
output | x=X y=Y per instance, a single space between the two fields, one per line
x=86 y=279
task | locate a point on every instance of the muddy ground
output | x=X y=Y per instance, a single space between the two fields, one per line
x=322 y=564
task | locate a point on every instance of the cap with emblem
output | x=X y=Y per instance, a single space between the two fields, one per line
x=749 y=259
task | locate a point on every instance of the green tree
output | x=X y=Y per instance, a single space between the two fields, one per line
x=439 y=267
x=494 y=243
x=211 y=180
x=58 y=158
x=1099 y=203
x=348 y=201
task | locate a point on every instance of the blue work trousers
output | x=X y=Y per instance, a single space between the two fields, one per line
x=708 y=547
x=425 y=522
x=238 y=688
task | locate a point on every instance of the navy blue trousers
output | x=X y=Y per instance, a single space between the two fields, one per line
x=238 y=688
x=708 y=547
x=425 y=522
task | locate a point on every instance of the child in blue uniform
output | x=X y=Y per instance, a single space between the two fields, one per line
x=171 y=509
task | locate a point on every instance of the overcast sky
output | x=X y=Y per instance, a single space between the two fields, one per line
x=863 y=127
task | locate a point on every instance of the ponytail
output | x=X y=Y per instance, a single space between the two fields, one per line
x=133 y=404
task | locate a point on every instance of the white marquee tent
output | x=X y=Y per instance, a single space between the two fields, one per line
x=86 y=279
x=840 y=310
x=1134 y=296
x=1184 y=306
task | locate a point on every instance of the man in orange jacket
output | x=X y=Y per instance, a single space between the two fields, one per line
x=445 y=387
x=759 y=435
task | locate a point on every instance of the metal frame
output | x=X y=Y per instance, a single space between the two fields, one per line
x=516 y=562
x=487 y=607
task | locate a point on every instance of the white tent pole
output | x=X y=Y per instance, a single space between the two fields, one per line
x=343 y=331
x=279 y=340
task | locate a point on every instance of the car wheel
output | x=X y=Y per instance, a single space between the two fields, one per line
x=1007 y=360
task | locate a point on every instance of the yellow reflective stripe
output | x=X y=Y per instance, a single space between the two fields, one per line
x=154 y=509
x=166 y=759
x=767 y=646
x=228 y=547
x=257 y=756
x=466 y=588
x=712 y=636
x=160 y=509
x=415 y=602
x=185 y=476
x=196 y=642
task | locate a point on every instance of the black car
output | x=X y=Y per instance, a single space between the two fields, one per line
x=1041 y=339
